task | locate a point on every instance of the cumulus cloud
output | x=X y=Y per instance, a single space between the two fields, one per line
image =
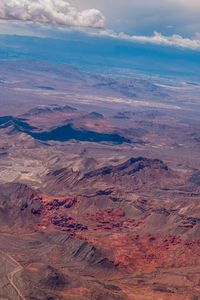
x=159 y=39
x=50 y=11
x=144 y=16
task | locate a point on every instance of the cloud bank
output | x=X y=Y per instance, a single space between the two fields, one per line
x=141 y=17
x=159 y=39
x=50 y=11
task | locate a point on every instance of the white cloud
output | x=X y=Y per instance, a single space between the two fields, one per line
x=159 y=39
x=144 y=16
x=50 y=11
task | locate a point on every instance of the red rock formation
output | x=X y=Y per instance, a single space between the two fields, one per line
x=136 y=252
x=54 y=212
x=107 y=215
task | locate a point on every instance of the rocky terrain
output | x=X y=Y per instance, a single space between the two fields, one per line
x=98 y=201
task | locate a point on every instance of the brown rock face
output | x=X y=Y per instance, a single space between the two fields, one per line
x=108 y=215
x=99 y=184
x=114 y=240
x=127 y=248
x=55 y=212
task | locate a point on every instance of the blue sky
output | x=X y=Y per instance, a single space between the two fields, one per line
x=145 y=16
x=166 y=22
x=157 y=37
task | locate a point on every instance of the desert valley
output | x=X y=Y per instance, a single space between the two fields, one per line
x=99 y=186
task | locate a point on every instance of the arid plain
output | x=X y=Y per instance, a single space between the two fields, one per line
x=99 y=186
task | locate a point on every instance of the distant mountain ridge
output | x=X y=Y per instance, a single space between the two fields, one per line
x=48 y=109
x=61 y=133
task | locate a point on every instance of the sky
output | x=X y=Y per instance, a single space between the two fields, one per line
x=157 y=39
x=163 y=22
x=145 y=16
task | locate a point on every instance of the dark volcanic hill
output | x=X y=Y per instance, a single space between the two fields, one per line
x=94 y=115
x=18 y=123
x=60 y=133
x=67 y=132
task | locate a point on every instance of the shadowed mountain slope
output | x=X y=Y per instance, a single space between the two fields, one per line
x=67 y=132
